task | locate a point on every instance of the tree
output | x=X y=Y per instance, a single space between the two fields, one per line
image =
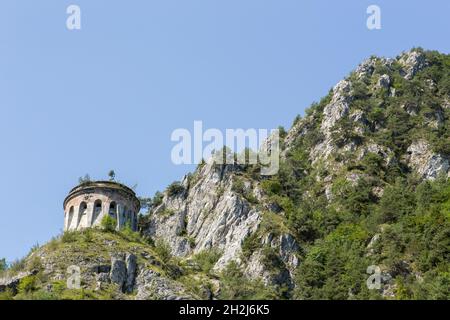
x=111 y=175
x=174 y=189
x=3 y=264
x=85 y=179
x=146 y=203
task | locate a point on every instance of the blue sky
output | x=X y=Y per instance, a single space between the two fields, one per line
x=109 y=95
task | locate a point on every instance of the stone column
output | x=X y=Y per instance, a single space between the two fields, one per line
x=89 y=214
x=66 y=218
x=119 y=210
x=76 y=217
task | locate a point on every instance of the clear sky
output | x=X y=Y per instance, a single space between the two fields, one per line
x=108 y=96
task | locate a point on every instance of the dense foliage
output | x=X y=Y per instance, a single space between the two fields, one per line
x=410 y=220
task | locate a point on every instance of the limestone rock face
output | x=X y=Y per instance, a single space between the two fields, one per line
x=152 y=286
x=427 y=164
x=384 y=81
x=413 y=62
x=287 y=248
x=118 y=272
x=123 y=271
x=11 y=283
x=210 y=216
x=338 y=107
x=131 y=264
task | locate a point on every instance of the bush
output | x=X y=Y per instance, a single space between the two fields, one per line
x=131 y=235
x=69 y=236
x=157 y=199
x=271 y=187
x=27 y=285
x=53 y=244
x=175 y=189
x=17 y=265
x=397 y=201
x=3 y=265
x=108 y=223
x=35 y=264
x=235 y=286
x=163 y=250
x=206 y=259
x=8 y=294
x=238 y=185
x=250 y=244
x=166 y=212
x=87 y=235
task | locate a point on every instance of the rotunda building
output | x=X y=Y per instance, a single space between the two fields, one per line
x=87 y=204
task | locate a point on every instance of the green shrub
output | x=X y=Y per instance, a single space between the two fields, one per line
x=108 y=223
x=166 y=212
x=271 y=187
x=27 y=284
x=175 y=189
x=53 y=244
x=35 y=264
x=87 y=235
x=8 y=294
x=238 y=185
x=206 y=259
x=236 y=286
x=3 y=265
x=131 y=235
x=163 y=250
x=17 y=265
x=397 y=201
x=69 y=236
x=250 y=244
x=191 y=241
x=157 y=199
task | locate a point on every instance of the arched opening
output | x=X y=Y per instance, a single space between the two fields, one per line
x=130 y=219
x=113 y=210
x=123 y=220
x=82 y=215
x=97 y=211
x=70 y=217
x=133 y=221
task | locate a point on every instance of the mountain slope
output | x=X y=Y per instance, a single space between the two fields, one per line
x=352 y=171
x=363 y=183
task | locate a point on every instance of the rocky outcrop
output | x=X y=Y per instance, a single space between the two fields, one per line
x=118 y=272
x=152 y=286
x=412 y=62
x=11 y=283
x=211 y=215
x=338 y=107
x=287 y=249
x=123 y=271
x=426 y=163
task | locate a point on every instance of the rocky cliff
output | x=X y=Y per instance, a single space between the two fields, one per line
x=392 y=112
